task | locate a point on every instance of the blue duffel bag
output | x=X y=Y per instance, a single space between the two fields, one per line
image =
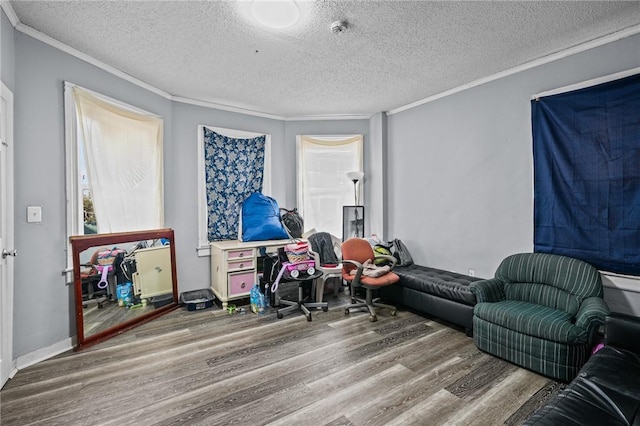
x=260 y=219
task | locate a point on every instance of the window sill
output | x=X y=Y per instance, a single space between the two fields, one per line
x=203 y=251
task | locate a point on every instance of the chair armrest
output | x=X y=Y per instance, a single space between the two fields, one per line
x=391 y=259
x=315 y=256
x=622 y=331
x=359 y=268
x=491 y=290
x=591 y=313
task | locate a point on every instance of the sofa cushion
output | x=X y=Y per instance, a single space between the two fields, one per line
x=606 y=392
x=533 y=320
x=543 y=294
x=555 y=281
x=445 y=284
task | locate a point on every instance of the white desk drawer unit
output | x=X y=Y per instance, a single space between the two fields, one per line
x=234 y=267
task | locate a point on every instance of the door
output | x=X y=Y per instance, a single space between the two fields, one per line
x=6 y=234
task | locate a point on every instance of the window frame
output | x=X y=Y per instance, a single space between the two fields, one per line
x=329 y=139
x=74 y=206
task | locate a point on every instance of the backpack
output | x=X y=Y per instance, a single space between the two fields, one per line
x=292 y=220
x=382 y=249
x=401 y=252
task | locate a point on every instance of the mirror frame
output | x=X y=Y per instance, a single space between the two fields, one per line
x=83 y=242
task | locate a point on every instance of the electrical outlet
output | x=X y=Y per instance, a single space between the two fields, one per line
x=472 y=272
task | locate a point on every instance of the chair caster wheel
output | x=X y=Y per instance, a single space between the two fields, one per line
x=373 y=318
x=279 y=315
x=325 y=309
x=346 y=311
x=309 y=318
x=394 y=313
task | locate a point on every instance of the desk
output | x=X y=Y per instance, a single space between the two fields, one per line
x=234 y=266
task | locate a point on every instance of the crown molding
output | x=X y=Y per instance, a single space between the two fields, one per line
x=13 y=18
x=619 y=35
x=25 y=29
x=587 y=83
x=208 y=104
x=8 y=10
x=328 y=117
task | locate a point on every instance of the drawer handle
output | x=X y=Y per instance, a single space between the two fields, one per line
x=241 y=255
x=243 y=284
x=242 y=265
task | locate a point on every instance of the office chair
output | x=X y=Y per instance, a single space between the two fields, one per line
x=301 y=277
x=355 y=253
x=326 y=251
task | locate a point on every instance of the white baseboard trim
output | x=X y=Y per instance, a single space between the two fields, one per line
x=42 y=354
x=14 y=370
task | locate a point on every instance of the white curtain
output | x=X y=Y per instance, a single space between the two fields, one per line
x=322 y=183
x=123 y=155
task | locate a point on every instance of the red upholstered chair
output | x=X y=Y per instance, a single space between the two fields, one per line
x=355 y=252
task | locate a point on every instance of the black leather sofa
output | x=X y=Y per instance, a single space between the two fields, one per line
x=435 y=292
x=606 y=391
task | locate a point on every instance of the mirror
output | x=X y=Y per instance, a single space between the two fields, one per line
x=122 y=280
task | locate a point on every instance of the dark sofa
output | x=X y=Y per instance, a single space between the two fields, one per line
x=606 y=391
x=435 y=292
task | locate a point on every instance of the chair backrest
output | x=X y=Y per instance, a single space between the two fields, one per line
x=551 y=280
x=337 y=246
x=323 y=246
x=357 y=249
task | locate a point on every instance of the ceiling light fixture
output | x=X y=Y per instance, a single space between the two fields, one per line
x=275 y=13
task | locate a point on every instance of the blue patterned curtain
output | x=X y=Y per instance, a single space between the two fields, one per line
x=233 y=171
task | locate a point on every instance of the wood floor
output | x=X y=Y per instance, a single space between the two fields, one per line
x=210 y=368
x=98 y=319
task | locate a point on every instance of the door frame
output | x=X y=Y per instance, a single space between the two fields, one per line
x=7 y=363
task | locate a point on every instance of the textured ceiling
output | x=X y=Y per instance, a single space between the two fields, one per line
x=393 y=54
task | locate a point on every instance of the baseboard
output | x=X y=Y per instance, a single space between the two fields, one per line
x=42 y=354
x=621 y=282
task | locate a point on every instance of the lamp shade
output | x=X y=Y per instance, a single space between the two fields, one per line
x=355 y=176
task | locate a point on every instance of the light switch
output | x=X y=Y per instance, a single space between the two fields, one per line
x=34 y=214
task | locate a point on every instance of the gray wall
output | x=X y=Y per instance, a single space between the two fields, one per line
x=181 y=177
x=42 y=301
x=181 y=180
x=459 y=170
x=43 y=306
x=461 y=179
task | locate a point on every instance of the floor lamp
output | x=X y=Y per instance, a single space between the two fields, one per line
x=353 y=216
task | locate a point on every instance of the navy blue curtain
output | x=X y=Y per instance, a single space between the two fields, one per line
x=586 y=154
x=233 y=171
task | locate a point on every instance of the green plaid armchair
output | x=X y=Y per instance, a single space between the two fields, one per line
x=540 y=311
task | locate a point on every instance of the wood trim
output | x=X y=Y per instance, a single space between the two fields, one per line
x=83 y=242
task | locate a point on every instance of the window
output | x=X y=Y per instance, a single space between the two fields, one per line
x=113 y=165
x=322 y=182
x=586 y=175
x=222 y=185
